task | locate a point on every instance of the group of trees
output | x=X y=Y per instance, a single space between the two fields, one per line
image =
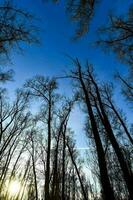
x=37 y=146
x=39 y=150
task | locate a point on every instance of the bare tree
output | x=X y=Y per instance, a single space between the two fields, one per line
x=16 y=28
x=45 y=89
x=79 y=76
x=117 y=36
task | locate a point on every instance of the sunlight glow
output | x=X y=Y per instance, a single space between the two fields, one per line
x=14 y=187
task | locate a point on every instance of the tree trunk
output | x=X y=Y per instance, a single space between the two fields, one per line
x=128 y=177
x=47 y=174
x=105 y=182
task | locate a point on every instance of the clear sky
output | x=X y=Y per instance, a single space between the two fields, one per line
x=56 y=32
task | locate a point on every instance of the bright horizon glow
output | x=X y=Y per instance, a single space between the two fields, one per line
x=14 y=187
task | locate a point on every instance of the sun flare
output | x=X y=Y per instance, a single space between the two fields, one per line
x=14 y=187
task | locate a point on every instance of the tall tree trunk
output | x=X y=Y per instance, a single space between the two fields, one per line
x=108 y=193
x=128 y=177
x=47 y=174
x=63 y=164
x=34 y=169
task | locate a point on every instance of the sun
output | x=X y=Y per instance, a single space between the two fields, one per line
x=14 y=187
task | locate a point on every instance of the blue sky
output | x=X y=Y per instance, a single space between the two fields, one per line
x=56 y=32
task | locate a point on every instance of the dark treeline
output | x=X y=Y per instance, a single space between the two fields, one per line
x=39 y=159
